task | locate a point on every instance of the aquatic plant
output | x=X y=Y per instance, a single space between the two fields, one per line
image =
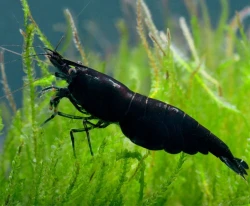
x=212 y=85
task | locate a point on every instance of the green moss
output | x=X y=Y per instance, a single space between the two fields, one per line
x=37 y=164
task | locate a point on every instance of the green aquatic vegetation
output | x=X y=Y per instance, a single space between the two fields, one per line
x=38 y=166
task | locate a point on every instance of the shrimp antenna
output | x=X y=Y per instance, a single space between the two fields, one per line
x=59 y=42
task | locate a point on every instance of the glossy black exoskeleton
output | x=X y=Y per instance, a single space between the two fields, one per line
x=147 y=122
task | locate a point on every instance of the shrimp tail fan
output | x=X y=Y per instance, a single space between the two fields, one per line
x=236 y=164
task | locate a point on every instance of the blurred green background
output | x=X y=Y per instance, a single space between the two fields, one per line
x=204 y=71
